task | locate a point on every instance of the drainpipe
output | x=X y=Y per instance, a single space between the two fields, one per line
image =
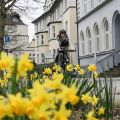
x=62 y=16
x=77 y=35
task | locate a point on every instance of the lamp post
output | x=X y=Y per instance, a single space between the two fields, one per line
x=77 y=35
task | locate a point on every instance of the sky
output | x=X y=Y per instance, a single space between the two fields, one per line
x=34 y=14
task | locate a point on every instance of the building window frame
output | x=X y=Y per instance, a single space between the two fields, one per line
x=38 y=58
x=106 y=34
x=97 y=38
x=42 y=39
x=82 y=42
x=66 y=25
x=53 y=31
x=85 y=6
x=37 y=40
x=89 y=37
x=92 y=4
x=43 y=58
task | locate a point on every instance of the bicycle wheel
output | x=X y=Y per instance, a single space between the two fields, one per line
x=60 y=59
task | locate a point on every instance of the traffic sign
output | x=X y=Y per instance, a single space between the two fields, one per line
x=6 y=39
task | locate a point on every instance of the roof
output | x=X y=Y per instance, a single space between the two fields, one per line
x=43 y=15
x=56 y=2
x=32 y=44
x=9 y=19
x=54 y=22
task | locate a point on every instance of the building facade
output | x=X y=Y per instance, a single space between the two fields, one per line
x=58 y=14
x=99 y=32
x=17 y=33
x=30 y=50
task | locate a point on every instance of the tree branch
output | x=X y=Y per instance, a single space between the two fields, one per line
x=11 y=4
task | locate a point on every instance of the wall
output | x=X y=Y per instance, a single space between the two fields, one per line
x=70 y=17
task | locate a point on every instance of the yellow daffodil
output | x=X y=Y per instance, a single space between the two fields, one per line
x=95 y=75
x=57 y=76
x=3 y=83
x=35 y=74
x=42 y=95
x=56 y=68
x=42 y=116
x=31 y=76
x=46 y=78
x=101 y=111
x=59 y=114
x=24 y=65
x=6 y=62
x=47 y=71
x=5 y=109
x=19 y=105
x=86 y=98
x=90 y=116
x=92 y=67
x=39 y=100
x=53 y=85
x=94 y=100
x=77 y=67
x=8 y=75
x=70 y=94
x=81 y=71
x=69 y=68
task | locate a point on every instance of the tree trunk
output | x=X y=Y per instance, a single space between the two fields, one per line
x=2 y=24
x=2 y=27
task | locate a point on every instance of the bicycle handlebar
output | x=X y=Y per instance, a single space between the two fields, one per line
x=69 y=50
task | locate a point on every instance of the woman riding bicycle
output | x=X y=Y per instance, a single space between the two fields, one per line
x=62 y=55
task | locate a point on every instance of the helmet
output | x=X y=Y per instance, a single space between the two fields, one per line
x=62 y=31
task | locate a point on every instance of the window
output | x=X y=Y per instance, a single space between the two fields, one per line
x=38 y=58
x=49 y=32
x=89 y=41
x=54 y=53
x=53 y=29
x=106 y=34
x=58 y=11
x=100 y=1
x=85 y=7
x=36 y=28
x=83 y=43
x=42 y=39
x=43 y=58
x=37 y=40
x=92 y=4
x=65 y=4
x=54 y=17
x=40 y=25
x=51 y=18
x=66 y=24
x=61 y=9
x=97 y=38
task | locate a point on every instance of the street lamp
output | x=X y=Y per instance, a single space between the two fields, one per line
x=77 y=35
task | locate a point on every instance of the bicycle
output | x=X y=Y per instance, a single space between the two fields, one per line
x=63 y=58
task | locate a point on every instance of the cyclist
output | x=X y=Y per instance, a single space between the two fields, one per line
x=62 y=56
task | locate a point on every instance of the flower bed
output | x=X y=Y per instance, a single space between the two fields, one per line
x=54 y=95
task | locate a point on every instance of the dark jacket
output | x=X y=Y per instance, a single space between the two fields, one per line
x=63 y=41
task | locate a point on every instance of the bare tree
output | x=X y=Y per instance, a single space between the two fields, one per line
x=21 y=5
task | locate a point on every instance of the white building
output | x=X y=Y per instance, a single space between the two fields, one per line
x=17 y=32
x=99 y=32
x=30 y=49
x=58 y=14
